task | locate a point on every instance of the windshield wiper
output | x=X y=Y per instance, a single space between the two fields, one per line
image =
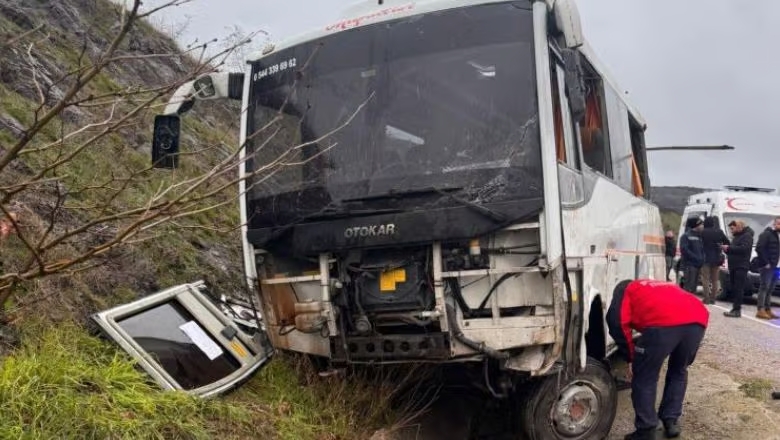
x=396 y=194
x=487 y=212
x=343 y=211
x=445 y=192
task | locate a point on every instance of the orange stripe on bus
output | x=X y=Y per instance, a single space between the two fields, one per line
x=654 y=239
x=630 y=252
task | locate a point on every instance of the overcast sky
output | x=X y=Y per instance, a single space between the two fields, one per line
x=701 y=72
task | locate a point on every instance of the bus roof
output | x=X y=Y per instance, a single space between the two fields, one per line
x=366 y=12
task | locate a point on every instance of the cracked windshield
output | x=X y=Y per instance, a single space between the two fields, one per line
x=401 y=107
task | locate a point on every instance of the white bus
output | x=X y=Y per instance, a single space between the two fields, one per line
x=461 y=182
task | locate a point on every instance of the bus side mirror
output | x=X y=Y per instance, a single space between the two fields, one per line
x=575 y=84
x=165 y=141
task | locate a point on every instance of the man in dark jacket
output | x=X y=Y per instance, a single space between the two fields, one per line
x=671 y=248
x=712 y=237
x=738 y=252
x=768 y=255
x=692 y=253
x=672 y=323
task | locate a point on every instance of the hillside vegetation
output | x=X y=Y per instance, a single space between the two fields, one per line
x=673 y=198
x=85 y=175
x=93 y=225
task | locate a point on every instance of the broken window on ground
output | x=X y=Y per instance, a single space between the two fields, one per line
x=185 y=342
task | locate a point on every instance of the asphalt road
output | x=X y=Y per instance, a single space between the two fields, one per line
x=728 y=394
x=737 y=367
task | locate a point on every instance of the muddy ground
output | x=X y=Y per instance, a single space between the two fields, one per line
x=728 y=393
x=716 y=407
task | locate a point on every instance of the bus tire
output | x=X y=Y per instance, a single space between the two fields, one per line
x=583 y=408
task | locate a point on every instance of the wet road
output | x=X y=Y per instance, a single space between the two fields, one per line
x=729 y=383
x=737 y=367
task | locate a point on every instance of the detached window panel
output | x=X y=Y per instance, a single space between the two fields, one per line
x=185 y=342
x=160 y=331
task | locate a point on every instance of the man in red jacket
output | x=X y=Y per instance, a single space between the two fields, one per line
x=672 y=323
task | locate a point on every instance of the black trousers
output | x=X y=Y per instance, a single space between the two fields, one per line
x=691 y=278
x=680 y=344
x=738 y=278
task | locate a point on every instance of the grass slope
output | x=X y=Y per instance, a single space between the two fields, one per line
x=64 y=383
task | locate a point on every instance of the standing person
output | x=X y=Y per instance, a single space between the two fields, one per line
x=768 y=255
x=738 y=253
x=692 y=253
x=672 y=323
x=671 y=249
x=712 y=237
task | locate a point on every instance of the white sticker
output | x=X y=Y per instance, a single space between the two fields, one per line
x=201 y=339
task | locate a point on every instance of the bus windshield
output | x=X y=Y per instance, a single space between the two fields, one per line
x=443 y=100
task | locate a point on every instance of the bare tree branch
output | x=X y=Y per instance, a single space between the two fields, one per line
x=13 y=41
x=91 y=73
x=82 y=203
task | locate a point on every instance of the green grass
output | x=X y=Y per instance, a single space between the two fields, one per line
x=757 y=388
x=310 y=408
x=670 y=220
x=63 y=383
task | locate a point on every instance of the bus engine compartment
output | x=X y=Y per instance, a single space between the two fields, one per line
x=461 y=299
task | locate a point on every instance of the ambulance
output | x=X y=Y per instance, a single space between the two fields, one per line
x=757 y=207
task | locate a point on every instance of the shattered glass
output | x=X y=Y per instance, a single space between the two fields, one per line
x=445 y=100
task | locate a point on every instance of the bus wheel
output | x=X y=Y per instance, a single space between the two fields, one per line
x=582 y=407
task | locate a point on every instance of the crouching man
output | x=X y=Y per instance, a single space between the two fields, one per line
x=672 y=323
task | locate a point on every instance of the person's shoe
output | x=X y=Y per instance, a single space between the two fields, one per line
x=733 y=314
x=645 y=434
x=671 y=429
x=772 y=314
x=622 y=384
x=763 y=314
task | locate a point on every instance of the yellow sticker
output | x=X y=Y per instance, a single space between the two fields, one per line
x=389 y=279
x=238 y=348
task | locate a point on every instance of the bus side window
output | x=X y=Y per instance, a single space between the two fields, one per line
x=640 y=176
x=594 y=133
x=566 y=147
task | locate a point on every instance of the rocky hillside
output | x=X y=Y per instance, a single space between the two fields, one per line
x=86 y=223
x=92 y=162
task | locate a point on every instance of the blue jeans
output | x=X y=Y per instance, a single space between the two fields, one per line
x=768 y=282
